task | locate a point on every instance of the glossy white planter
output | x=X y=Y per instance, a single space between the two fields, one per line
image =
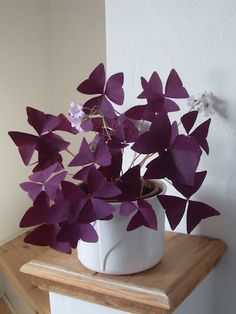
x=119 y=251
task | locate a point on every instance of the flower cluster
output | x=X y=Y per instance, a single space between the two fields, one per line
x=63 y=211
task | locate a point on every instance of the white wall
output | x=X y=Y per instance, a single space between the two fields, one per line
x=46 y=48
x=198 y=39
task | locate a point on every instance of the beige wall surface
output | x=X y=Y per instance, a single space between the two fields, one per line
x=25 y=77
x=46 y=48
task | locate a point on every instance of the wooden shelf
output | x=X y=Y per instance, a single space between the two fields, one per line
x=3 y=307
x=187 y=260
x=13 y=255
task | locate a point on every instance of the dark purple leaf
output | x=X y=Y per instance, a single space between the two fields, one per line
x=174 y=86
x=170 y=106
x=48 y=148
x=102 y=105
x=64 y=125
x=114 y=90
x=42 y=176
x=159 y=167
x=32 y=188
x=95 y=209
x=26 y=144
x=45 y=235
x=198 y=211
x=40 y=121
x=152 y=90
x=84 y=157
x=127 y=208
x=157 y=138
x=189 y=190
x=102 y=155
x=76 y=199
x=52 y=185
x=141 y=112
x=113 y=170
x=189 y=119
x=200 y=134
x=36 y=214
x=95 y=83
x=83 y=173
x=145 y=216
x=72 y=233
x=174 y=207
x=174 y=132
x=185 y=154
x=58 y=211
x=130 y=184
x=99 y=186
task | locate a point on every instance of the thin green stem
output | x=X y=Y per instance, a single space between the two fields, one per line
x=68 y=151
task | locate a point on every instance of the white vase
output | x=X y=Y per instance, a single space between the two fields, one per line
x=120 y=252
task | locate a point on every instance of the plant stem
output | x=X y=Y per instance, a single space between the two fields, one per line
x=145 y=159
x=68 y=151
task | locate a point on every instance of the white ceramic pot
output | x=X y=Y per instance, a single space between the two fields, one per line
x=120 y=252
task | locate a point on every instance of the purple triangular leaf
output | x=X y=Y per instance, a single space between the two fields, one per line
x=83 y=173
x=127 y=208
x=152 y=90
x=198 y=211
x=102 y=155
x=157 y=138
x=84 y=156
x=40 y=121
x=32 y=188
x=95 y=209
x=170 y=106
x=148 y=213
x=185 y=154
x=45 y=235
x=42 y=176
x=95 y=83
x=174 y=86
x=159 y=167
x=36 y=214
x=59 y=211
x=64 y=125
x=99 y=186
x=145 y=216
x=189 y=190
x=53 y=184
x=174 y=207
x=76 y=199
x=113 y=170
x=114 y=90
x=189 y=119
x=174 y=132
x=72 y=233
x=26 y=144
x=200 y=134
x=130 y=184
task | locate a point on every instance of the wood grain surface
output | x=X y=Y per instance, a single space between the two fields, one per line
x=3 y=307
x=13 y=255
x=187 y=260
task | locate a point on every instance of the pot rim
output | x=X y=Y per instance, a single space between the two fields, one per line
x=157 y=184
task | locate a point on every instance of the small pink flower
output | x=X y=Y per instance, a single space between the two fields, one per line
x=76 y=115
x=203 y=103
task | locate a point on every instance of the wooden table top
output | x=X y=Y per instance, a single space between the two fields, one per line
x=187 y=260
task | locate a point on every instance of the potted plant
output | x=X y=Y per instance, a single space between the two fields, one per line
x=115 y=214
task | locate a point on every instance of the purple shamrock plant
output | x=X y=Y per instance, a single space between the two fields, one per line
x=65 y=206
